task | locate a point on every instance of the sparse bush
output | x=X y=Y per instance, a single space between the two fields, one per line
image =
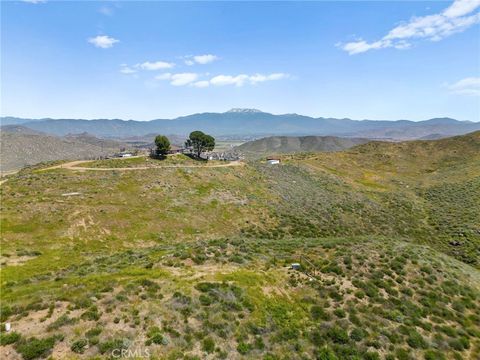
x=434 y=355
x=79 y=346
x=415 y=340
x=340 y=312
x=357 y=334
x=9 y=338
x=244 y=348
x=318 y=313
x=34 y=348
x=112 y=345
x=337 y=334
x=208 y=345
x=61 y=321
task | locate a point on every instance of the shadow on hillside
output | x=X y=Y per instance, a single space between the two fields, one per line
x=193 y=157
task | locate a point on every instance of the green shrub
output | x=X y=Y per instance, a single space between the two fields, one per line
x=459 y=344
x=402 y=354
x=371 y=355
x=34 y=348
x=259 y=344
x=5 y=312
x=357 y=334
x=205 y=300
x=337 y=335
x=415 y=340
x=208 y=345
x=112 y=345
x=93 y=332
x=244 y=348
x=340 y=312
x=91 y=314
x=9 y=338
x=325 y=353
x=434 y=355
x=318 y=313
x=61 y=321
x=79 y=346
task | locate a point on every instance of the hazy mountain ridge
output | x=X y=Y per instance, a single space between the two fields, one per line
x=250 y=122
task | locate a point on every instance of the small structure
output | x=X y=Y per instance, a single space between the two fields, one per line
x=126 y=155
x=295 y=266
x=222 y=156
x=273 y=160
x=175 y=149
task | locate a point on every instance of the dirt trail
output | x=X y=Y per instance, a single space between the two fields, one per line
x=6 y=174
x=72 y=166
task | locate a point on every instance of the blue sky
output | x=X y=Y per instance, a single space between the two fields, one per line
x=147 y=60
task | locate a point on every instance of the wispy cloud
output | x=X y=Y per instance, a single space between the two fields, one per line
x=183 y=79
x=180 y=79
x=242 y=79
x=194 y=79
x=165 y=76
x=34 y=1
x=467 y=86
x=201 y=59
x=106 y=10
x=157 y=65
x=201 y=84
x=103 y=41
x=125 y=69
x=456 y=18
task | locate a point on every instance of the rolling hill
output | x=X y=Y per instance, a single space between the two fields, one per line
x=195 y=261
x=247 y=122
x=21 y=146
x=294 y=144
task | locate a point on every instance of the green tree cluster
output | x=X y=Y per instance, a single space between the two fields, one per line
x=199 y=142
x=163 y=145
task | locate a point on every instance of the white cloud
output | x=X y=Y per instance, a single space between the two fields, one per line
x=34 y=1
x=461 y=7
x=157 y=65
x=201 y=84
x=205 y=59
x=164 y=76
x=103 y=41
x=434 y=27
x=106 y=10
x=242 y=79
x=183 y=79
x=467 y=86
x=125 y=69
x=200 y=59
x=194 y=79
x=221 y=80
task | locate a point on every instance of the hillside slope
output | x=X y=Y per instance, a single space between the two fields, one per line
x=187 y=263
x=293 y=144
x=21 y=147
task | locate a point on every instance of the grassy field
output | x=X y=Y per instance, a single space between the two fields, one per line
x=185 y=263
x=145 y=161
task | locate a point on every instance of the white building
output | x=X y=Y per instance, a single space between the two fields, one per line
x=273 y=161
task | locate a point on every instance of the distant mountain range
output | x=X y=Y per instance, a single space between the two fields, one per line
x=293 y=144
x=248 y=122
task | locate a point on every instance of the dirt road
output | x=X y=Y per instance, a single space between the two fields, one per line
x=73 y=166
